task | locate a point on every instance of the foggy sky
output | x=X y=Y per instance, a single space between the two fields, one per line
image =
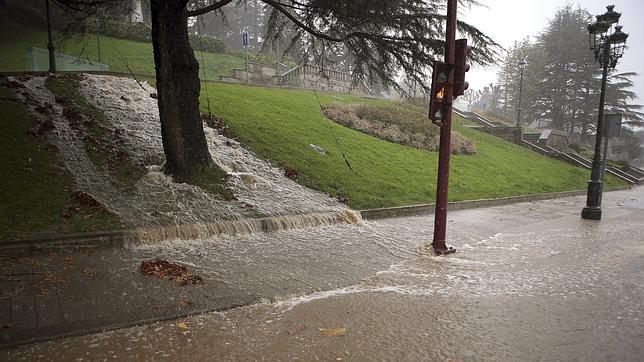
x=507 y=21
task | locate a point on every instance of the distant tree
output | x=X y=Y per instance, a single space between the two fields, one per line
x=509 y=77
x=490 y=98
x=470 y=96
x=619 y=98
x=562 y=80
x=385 y=38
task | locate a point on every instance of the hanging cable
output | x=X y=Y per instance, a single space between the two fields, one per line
x=203 y=64
x=337 y=143
x=125 y=63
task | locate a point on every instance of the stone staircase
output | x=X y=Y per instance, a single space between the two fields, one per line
x=531 y=137
x=632 y=175
x=477 y=118
x=581 y=161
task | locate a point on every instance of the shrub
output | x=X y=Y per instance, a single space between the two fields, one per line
x=401 y=123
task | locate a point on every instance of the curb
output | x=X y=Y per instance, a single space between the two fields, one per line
x=119 y=238
x=425 y=209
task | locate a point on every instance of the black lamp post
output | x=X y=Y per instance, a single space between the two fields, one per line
x=522 y=65
x=608 y=45
x=50 y=43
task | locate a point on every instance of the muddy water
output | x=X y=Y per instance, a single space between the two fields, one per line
x=530 y=282
x=261 y=189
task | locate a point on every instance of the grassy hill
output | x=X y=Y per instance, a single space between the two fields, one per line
x=37 y=194
x=277 y=124
x=117 y=53
x=280 y=124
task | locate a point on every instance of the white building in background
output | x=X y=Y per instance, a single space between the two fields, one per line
x=137 y=11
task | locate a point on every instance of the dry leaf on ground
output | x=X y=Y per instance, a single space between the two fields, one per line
x=165 y=269
x=333 y=332
x=89 y=272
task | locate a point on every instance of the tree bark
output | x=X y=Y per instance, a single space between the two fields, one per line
x=178 y=86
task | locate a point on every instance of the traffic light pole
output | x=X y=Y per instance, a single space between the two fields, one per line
x=440 y=216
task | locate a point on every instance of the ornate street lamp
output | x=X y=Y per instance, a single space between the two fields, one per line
x=608 y=45
x=521 y=65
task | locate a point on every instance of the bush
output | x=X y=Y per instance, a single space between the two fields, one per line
x=129 y=31
x=401 y=123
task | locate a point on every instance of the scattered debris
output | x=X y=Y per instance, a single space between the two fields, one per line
x=318 y=149
x=290 y=173
x=89 y=272
x=86 y=200
x=7 y=295
x=172 y=271
x=185 y=303
x=69 y=262
x=41 y=126
x=217 y=123
x=333 y=332
x=297 y=329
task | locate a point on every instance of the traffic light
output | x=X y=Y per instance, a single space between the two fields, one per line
x=460 y=67
x=437 y=101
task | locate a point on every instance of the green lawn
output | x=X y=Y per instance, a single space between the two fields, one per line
x=36 y=194
x=280 y=124
x=137 y=55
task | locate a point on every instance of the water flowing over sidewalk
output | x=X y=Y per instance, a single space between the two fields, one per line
x=529 y=280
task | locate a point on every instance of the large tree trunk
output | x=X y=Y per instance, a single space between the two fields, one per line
x=177 y=73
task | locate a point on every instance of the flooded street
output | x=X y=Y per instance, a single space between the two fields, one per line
x=530 y=281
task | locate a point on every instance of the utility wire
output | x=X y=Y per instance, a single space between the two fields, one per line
x=125 y=63
x=337 y=143
x=203 y=65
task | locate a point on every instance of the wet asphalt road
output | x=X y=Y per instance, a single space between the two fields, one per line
x=530 y=281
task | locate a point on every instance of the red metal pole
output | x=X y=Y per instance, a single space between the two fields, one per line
x=440 y=216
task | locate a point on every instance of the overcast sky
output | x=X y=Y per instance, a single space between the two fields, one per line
x=509 y=20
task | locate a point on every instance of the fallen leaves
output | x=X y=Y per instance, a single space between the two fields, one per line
x=41 y=126
x=182 y=325
x=89 y=272
x=185 y=303
x=69 y=262
x=296 y=330
x=7 y=295
x=217 y=123
x=166 y=270
x=333 y=332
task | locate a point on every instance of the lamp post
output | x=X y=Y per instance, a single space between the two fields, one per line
x=608 y=43
x=50 y=43
x=522 y=65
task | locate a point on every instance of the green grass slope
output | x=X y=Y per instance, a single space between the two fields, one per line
x=279 y=125
x=137 y=55
x=37 y=194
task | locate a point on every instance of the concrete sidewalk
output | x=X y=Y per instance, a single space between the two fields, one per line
x=77 y=292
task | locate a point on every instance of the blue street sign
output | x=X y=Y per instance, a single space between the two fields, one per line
x=245 y=40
